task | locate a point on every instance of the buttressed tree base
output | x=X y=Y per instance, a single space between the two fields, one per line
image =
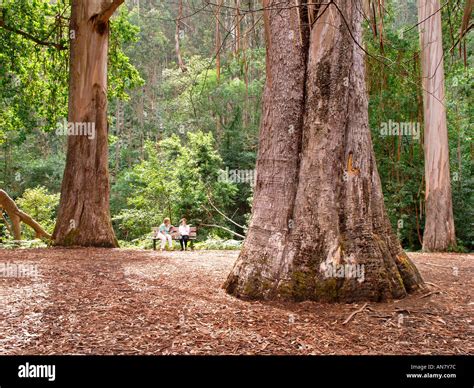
x=319 y=229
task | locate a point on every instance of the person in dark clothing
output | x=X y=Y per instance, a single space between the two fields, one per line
x=184 y=230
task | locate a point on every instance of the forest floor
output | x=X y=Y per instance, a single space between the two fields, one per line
x=99 y=301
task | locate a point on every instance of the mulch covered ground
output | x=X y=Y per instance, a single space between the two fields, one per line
x=98 y=301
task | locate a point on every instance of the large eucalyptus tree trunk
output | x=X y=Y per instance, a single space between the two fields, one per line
x=439 y=232
x=319 y=229
x=84 y=217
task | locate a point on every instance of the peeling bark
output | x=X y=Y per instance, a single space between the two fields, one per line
x=318 y=201
x=83 y=216
x=439 y=234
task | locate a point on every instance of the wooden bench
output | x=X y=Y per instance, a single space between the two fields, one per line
x=174 y=231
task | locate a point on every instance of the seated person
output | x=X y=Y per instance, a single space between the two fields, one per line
x=184 y=230
x=164 y=233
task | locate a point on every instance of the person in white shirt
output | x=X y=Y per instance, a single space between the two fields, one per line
x=184 y=230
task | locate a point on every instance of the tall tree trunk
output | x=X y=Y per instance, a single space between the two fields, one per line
x=318 y=213
x=84 y=217
x=439 y=232
x=468 y=7
x=119 y=122
x=177 y=37
x=237 y=27
x=218 y=40
x=218 y=64
x=246 y=103
x=255 y=29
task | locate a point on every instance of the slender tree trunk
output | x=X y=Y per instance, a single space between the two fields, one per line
x=218 y=40
x=6 y=173
x=255 y=29
x=318 y=215
x=237 y=27
x=119 y=123
x=84 y=217
x=439 y=232
x=177 y=37
x=141 y=121
x=246 y=104
x=218 y=64
x=468 y=7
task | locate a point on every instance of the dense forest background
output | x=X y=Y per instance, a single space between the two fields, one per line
x=185 y=91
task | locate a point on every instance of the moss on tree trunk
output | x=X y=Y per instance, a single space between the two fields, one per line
x=319 y=229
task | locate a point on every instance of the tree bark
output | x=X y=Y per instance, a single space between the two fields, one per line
x=84 y=217
x=177 y=37
x=318 y=202
x=468 y=7
x=119 y=122
x=16 y=216
x=439 y=232
x=237 y=27
x=218 y=40
x=218 y=43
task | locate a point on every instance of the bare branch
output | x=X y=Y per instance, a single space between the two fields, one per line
x=28 y=36
x=466 y=17
x=108 y=12
x=223 y=215
x=354 y=314
x=222 y=227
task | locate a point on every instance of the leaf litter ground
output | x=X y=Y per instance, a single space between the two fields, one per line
x=121 y=301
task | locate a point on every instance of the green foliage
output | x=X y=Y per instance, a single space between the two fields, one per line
x=23 y=244
x=173 y=132
x=175 y=181
x=460 y=110
x=23 y=168
x=41 y=206
x=217 y=243
x=34 y=77
x=122 y=74
x=394 y=85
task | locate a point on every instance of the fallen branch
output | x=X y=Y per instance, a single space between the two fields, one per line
x=223 y=215
x=380 y=316
x=430 y=293
x=432 y=284
x=435 y=265
x=399 y=310
x=16 y=216
x=354 y=313
x=222 y=227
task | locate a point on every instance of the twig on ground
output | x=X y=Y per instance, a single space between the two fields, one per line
x=354 y=313
x=435 y=265
x=430 y=293
x=432 y=284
